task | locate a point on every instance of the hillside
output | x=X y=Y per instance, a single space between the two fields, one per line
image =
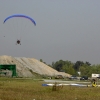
x=25 y=67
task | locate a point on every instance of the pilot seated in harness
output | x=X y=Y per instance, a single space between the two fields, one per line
x=18 y=42
x=94 y=83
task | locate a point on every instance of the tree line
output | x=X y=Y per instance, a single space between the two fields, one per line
x=85 y=68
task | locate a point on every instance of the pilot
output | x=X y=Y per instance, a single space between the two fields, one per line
x=18 y=42
x=94 y=83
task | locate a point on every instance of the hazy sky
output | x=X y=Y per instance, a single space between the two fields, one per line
x=66 y=29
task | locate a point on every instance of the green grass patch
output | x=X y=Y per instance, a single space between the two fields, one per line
x=31 y=89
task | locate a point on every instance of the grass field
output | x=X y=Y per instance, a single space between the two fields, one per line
x=30 y=89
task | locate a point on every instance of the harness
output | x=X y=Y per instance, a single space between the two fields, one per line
x=94 y=84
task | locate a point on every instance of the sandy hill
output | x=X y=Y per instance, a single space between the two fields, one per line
x=25 y=66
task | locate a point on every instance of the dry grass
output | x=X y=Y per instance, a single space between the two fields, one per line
x=28 y=89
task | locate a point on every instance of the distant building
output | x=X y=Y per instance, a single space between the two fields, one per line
x=79 y=73
x=95 y=75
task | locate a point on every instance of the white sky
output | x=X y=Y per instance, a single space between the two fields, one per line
x=66 y=29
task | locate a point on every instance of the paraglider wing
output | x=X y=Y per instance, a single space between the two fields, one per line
x=19 y=15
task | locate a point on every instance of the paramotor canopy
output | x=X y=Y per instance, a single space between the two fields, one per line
x=20 y=15
x=19 y=25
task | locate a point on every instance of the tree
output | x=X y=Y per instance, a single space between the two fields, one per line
x=78 y=64
x=87 y=63
x=69 y=69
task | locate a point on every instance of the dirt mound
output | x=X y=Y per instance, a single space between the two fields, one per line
x=25 y=66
